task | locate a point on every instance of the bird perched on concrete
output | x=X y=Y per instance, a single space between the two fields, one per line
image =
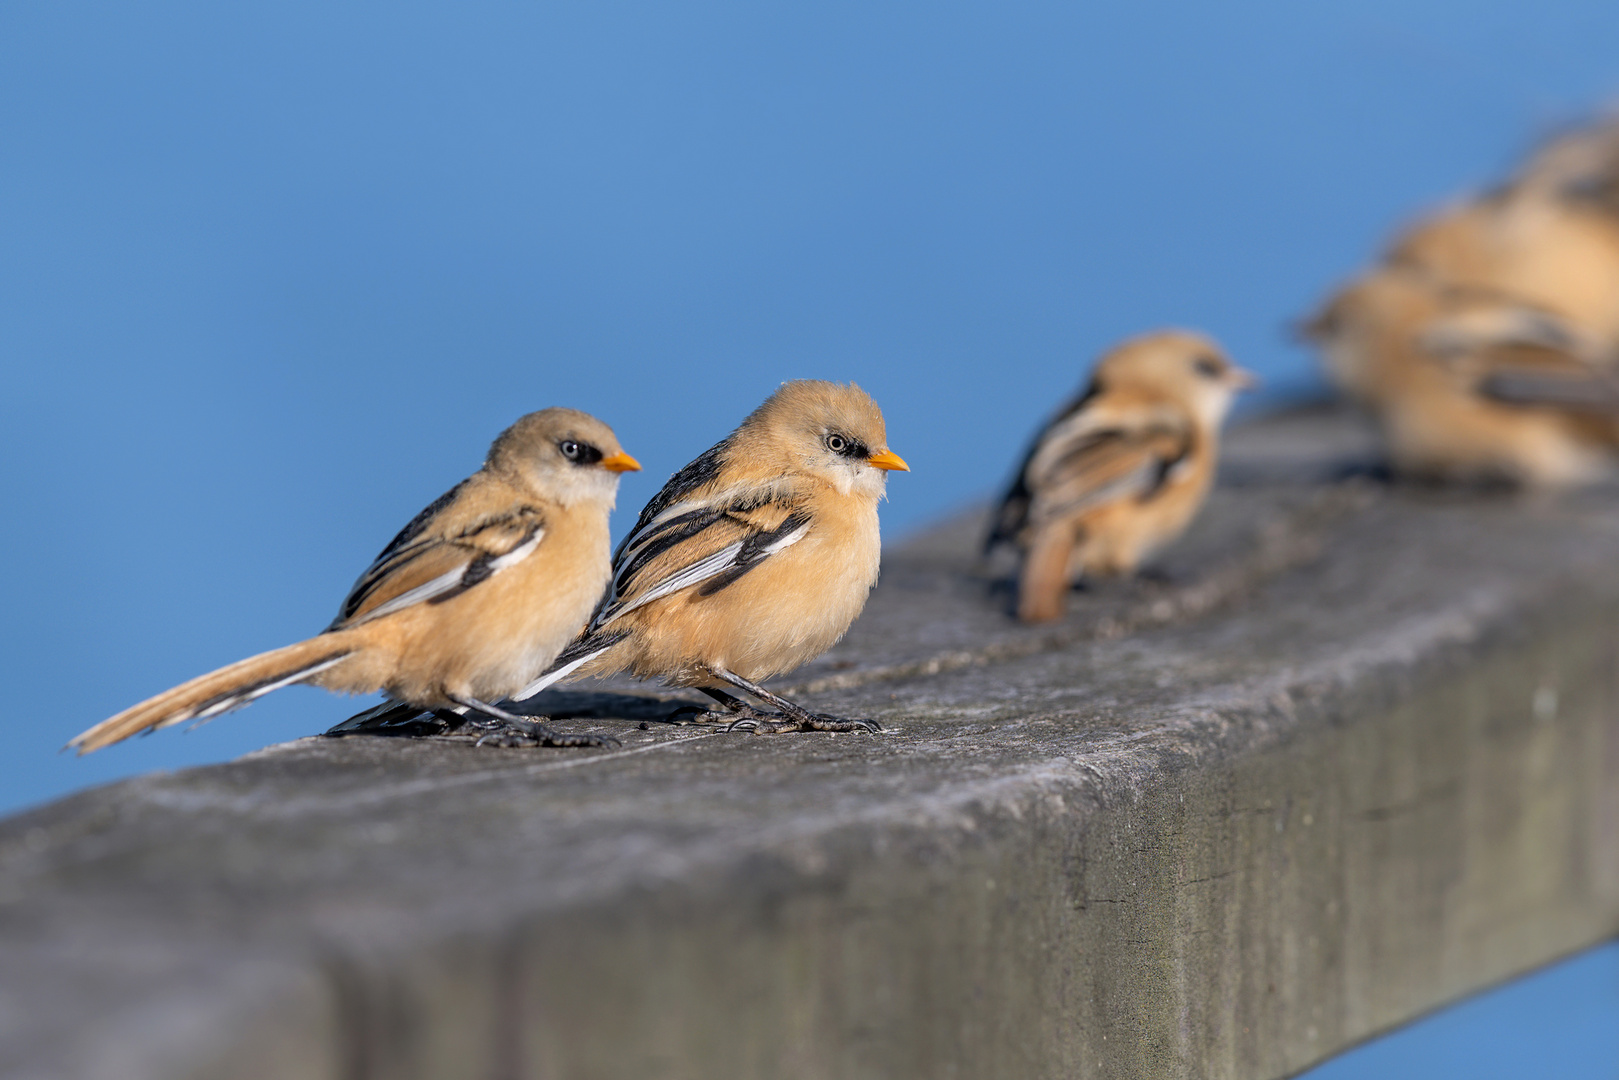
x=752 y=560
x=1121 y=470
x=1471 y=385
x=474 y=597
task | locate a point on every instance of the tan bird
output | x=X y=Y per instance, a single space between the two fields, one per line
x=1555 y=255
x=1122 y=470
x=475 y=596
x=1471 y=385
x=752 y=560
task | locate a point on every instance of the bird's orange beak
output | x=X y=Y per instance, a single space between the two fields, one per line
x=620 y=462
x=888 y=461
x=1242 y=378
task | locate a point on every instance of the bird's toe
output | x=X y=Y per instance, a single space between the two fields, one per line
x=507 y=740
x=822 y=722
x=759 y=725
x=519 y=735
x=555 y=738
x=696 y=714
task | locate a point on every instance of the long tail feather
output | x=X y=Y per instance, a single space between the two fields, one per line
x=219 y=691
x=1043 y=588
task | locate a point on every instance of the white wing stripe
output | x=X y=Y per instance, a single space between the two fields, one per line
x=699 y=571
x=687 y=576
x=789 y=540
x=518 y=553
x=449 y=580
x=558 y=674
x=442 y=583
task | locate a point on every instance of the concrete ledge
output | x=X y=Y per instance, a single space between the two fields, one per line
x=1352 y=753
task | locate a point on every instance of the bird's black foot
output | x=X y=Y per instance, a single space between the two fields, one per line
x=502 y=728
x=696 y=714
x=517 y=734
x=809 y=722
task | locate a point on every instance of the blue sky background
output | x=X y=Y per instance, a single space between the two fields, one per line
x=274 y=276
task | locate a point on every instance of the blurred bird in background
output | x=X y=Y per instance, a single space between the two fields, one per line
x=1469 y=386
x=474 y=597
x=1486 y=342
x=1121 y=470
x=752 y=560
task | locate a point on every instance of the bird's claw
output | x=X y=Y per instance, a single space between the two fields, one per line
x=696 y=714
x=758 y=725
x=515 y=736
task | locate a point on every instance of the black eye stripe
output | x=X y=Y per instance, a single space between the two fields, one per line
x=1208 y=367
x=580 y=453
x=846 y=446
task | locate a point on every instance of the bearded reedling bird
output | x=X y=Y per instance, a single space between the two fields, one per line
x=752 y=560
x=1122 y=470
x=474 y=597
x=1471 y=385
x=1556 y=254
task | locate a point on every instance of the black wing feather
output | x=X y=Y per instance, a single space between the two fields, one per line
x=656 y=541
x=701 y=471
x=1013 y=511
x=1589 y=393
x=389 y=558
x=754 y=550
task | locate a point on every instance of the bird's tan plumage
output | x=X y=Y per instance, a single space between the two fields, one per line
x=471 y=600
x=1552 y=254
x=756 y=557
x=1121 y=471
x=1437 y=365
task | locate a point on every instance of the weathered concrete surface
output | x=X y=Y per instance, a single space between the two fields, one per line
x=1353 y=753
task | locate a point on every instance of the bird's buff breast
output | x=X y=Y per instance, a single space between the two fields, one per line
x=506 y=629
x=1122 y=535
x=787 y=611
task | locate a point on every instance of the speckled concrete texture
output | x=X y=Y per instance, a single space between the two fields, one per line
x=1350 y=751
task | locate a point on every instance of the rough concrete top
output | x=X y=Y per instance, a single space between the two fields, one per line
x=705 y=904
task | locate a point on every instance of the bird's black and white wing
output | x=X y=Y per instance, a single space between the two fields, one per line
x=1522 y=355
x=704 y=546
x=1013 y=512
x=693 y=537
x=447 y=549
x=1086 y=458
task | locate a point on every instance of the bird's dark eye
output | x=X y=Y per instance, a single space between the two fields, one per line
x=1209 y=367
x=580 y=453
x=847 y=446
